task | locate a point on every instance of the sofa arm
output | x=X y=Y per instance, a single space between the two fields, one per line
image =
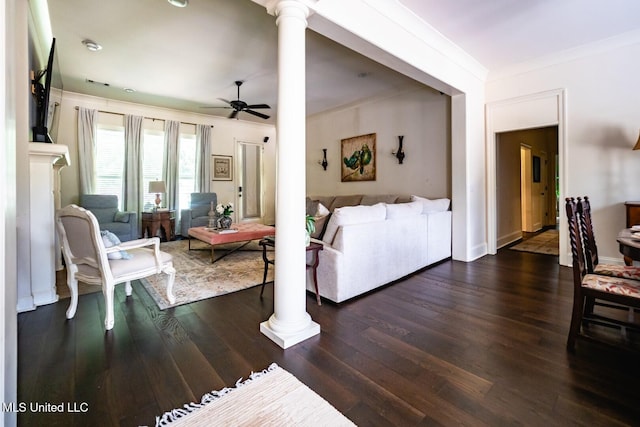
x=185 y=222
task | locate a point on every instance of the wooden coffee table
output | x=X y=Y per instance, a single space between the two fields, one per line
x=246 y=233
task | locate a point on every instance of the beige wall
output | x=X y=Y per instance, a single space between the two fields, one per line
x=420 y=114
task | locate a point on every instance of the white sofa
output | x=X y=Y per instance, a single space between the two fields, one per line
x=367 y=246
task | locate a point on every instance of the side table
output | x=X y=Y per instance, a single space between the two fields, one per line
x=313 y=247
x=156 y=220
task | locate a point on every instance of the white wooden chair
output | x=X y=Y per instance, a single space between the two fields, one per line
x=86 y=259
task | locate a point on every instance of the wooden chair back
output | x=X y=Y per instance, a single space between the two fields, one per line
x=588 y=236
x=577 y=252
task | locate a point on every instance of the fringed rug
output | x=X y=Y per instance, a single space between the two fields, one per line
x=272 y=397
x=198 y=279
x=544 y=243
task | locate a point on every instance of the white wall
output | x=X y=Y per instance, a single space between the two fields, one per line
x=601 y=129
x=225 y=133
x=420 y=114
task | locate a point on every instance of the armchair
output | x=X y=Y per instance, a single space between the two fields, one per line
x=87 y=259
x=105 y=209
x=198 y=213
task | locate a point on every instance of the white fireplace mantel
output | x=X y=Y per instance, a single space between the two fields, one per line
x=45 y=162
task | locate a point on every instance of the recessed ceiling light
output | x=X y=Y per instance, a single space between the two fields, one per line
x=91 y=45
x=179 y=3
x=129 y=90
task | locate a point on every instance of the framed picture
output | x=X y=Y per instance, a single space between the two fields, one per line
x=221 y=168
x=536 y=169
x=359 y=158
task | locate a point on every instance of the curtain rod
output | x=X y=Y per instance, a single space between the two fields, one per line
x=144 y=117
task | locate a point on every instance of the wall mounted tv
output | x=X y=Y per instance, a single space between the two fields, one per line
x=41 y=83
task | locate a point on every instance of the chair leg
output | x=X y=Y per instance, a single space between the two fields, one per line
x=107 y=291
x=171 y=275
x=576 y=321
x=72 y=283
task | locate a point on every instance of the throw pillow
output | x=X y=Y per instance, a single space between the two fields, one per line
x=401 y=210
x=353 y=215
x=435 y=205
x=311 y=206
x=109 y=239
x=121 y=217
x=321 y=220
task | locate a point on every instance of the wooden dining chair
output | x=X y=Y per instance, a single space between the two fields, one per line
x=591 y=249
x=590 y=287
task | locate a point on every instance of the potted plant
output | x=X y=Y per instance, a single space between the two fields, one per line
x=225 y=212
x=310 y=228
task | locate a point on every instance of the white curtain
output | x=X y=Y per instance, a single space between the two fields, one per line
x=132 y=179
x=87 y=132
x=203 y=158
x=170 y=165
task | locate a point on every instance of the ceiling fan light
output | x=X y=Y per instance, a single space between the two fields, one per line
x=179 y=3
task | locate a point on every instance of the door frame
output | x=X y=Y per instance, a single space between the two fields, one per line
x=240 y=181
x=529 y=111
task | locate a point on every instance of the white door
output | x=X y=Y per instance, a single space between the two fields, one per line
x=250 y=189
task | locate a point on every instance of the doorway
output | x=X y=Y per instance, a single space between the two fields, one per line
x=526 y=183
x=250 y=198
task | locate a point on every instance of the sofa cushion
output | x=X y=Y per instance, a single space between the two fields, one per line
x=401 y=210
x=312 y=206
x=384 y=198
x=435 y=205
x=353 y=215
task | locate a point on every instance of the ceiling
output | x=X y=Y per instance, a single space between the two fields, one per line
x=187 y=58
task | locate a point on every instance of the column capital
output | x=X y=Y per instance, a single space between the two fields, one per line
x=291 y=8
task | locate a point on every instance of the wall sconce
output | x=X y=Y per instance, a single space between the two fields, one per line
x=324 y=162
x=399 y=154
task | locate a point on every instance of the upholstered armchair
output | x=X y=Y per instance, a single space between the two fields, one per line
x=198 y=213
x=105 y=209
x=90 y=260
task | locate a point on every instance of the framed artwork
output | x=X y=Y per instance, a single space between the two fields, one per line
x=221 y=168
x=359 y=158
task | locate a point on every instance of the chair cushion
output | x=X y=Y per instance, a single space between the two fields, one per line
x=121 y=217
x=104 y=215
x=614 y=285
x=623 y=271
x=143 y=259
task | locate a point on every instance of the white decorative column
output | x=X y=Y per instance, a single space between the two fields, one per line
x=45 y=162
x=290 y=323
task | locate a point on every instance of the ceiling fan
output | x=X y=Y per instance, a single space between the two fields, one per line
x=241 y=106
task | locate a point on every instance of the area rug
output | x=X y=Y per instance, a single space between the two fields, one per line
x=272 y=397
x=198 y=279
x=546 y=242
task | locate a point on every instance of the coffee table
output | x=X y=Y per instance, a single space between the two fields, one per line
x=246 y=232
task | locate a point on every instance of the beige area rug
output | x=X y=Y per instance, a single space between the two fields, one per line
x=544 y=243
x=198 y=279
x=272 y=397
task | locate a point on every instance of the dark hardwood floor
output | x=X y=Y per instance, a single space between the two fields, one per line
x=479 y=343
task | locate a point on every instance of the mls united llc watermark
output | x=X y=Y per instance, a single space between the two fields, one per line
x=45 y=407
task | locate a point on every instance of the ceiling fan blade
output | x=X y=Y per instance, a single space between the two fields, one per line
x=233 y=114
x=225 y=100
x=258 y=106
x=255 y=113
x=215 y=106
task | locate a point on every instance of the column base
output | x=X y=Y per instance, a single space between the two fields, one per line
x=287 y=339
x=25 y=304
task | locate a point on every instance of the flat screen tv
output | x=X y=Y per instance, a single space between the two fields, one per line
x=41 y=88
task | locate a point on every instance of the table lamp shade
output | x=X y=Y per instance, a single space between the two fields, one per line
x=157 y=187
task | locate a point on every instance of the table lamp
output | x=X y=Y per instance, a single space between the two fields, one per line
x=157 y=187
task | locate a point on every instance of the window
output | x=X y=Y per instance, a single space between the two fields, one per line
x=110 y=162
x=110 y=165
x=152 y=158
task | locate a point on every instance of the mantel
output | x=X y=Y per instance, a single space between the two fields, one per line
x=59 y=153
